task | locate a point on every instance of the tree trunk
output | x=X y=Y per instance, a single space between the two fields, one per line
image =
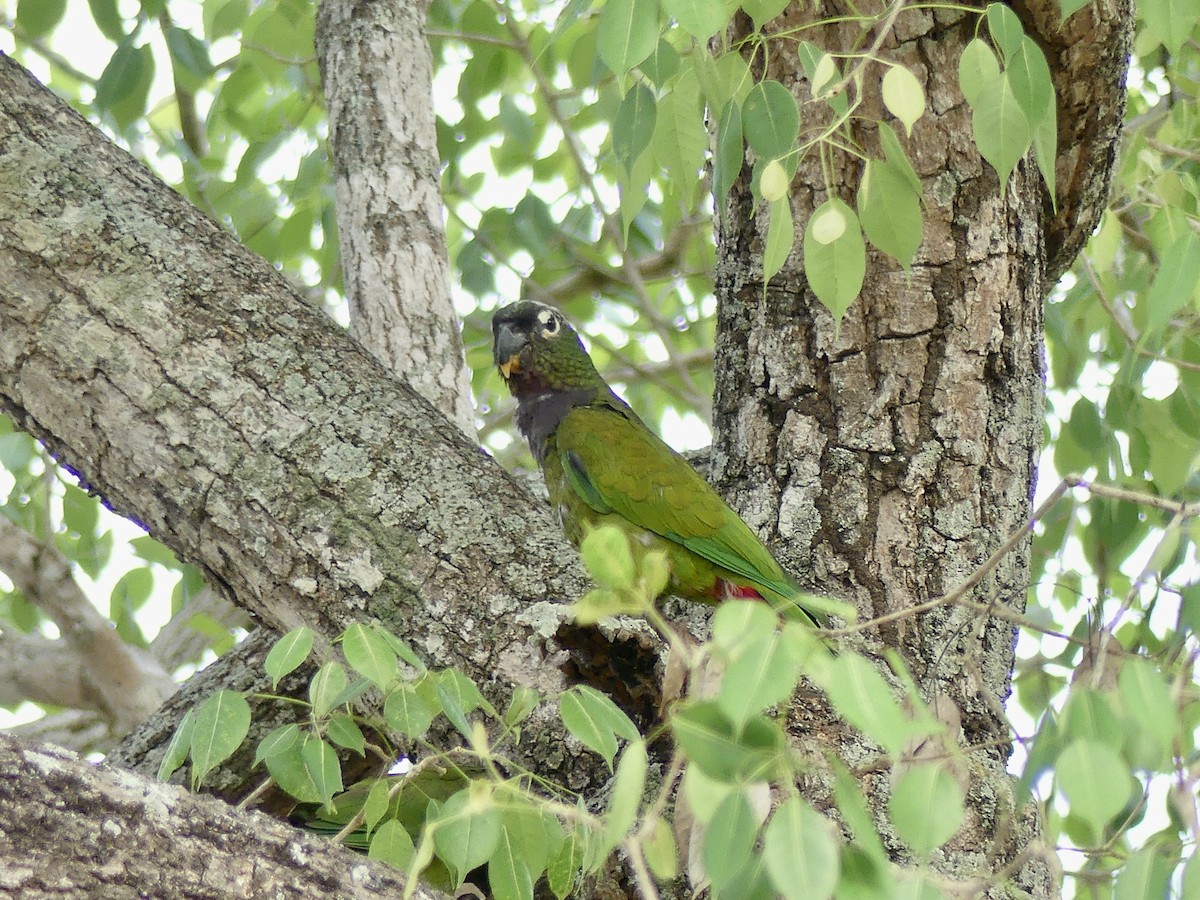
x=896 y=454
x=378 y=82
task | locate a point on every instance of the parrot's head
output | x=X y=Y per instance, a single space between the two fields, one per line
x=537 y=350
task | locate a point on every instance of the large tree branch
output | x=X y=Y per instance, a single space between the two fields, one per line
x=186 y=382
x=156 y=840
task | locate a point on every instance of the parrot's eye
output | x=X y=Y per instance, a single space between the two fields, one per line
x=549 y=323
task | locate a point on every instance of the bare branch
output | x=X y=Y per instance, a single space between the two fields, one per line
x=114 y=677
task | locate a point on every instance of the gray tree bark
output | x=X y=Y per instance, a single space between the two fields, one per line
x=69 y=829
x=896 y=455
x=378 y=81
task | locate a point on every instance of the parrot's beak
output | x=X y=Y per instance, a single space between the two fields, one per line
x=507 y=350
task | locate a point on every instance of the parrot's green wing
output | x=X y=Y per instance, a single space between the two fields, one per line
x=616 y=464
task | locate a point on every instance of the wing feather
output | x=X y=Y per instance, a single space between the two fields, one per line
x=617 y=464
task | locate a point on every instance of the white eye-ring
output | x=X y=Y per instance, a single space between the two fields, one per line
x=549 y=322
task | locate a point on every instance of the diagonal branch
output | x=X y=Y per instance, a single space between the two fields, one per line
x=156 y=839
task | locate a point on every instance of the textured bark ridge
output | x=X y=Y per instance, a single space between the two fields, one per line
x=73 y=830
x=899 y=451
x=378 y=82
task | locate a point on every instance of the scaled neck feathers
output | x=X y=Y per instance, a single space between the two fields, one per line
x=539 y=414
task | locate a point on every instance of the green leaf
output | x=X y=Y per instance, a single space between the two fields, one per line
x=1070 y=7
x=729 y=154
x=699 y=18
x=1169 y=22
x=897 y=158
x=633 y=125
x=1006 y=29
x=761 y=676
x=533 y=832
x=392 y=844
x=852 y=807
x=607 y=558
x=325 y=687
x=1094 y=781
x=903 y=96
x=627 y=33
x=861 y=695
x=740 y=623
x=124 y=84
x=890 y=211
x=713 y=745
x=467 y=831
x=773 y=181
x=370 y=655
x=1045 y=150
x=800 y=852
x=1029 y=76
x=222 y=19
x=344 y=732
x=726 y=78
x=835 y=256
x=626 y=793
x=763 y=11
x=291 y=774
x=1089 y=714
x=584 y=719
x=190 y=55
x=375 y=807
x=407 y=712
x=977 y=68
x=1191 y=877
x=177 y=748
x=781 y=237
x=37 y=18
x=1146 y=699
x=729 y=838
x=770 y=119
x=926 y=807
x=524 y=701
x=680 y=137
x=1178 y=272
x=1146 y=874
x=508 y=873
x=660 y=850
x=280 y=740
x=288 y=654
x=81 y=512
x=402 y=649
x=564 y=866
x=1002 y=133
x=108 y=19
x=704 y=795
x=220 y=725
x=321 y=763
x=660 y=65
x=457 y=687
x=145 y=547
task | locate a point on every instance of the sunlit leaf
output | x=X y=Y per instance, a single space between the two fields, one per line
x=800 y=852
x=835 y=256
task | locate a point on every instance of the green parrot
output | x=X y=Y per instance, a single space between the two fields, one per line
x=604 y=466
